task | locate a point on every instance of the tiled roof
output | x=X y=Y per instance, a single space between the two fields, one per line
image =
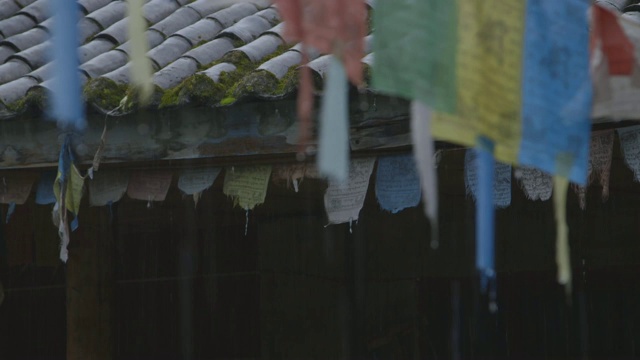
x=203 y=53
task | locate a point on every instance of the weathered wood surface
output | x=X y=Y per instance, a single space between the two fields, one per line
x=259 y=128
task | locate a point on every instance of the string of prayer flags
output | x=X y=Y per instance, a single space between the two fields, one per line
x=630 y=144
x=397 y=183
x=141 y=70
x=328 y=26
x=67 y=104
x=247 y=185
x=68 y=188
x=501 y=193
x=343 y=201
x=195 y=181
x=107 y=187
x=426 y=162
x=615 y=65
x=601 y=154
x=535 y=183
x=333 y=152
x=44 y=192
x=15 y=189
x=149 y=185
x=291 y=174
x=490 y=69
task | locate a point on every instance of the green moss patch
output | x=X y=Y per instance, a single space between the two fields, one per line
x=104 y=93
x=199 y=89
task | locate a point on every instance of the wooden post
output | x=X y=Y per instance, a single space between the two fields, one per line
x=90 y=287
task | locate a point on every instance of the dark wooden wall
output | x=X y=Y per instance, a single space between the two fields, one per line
x=176 y=281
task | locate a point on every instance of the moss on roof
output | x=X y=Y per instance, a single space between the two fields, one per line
x=104 y=93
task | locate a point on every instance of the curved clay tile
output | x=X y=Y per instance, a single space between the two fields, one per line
x=34 y=56
x=94 y=48
x=203 y=30
x=156 y=10
x=89 y=6
x=169 y=50
x=105 y=63
x=175 y=73
x=279 y=65
x=214 y=72
x=248 y=28
x=261 y=47
x=12 y=70
x=16 y=25
x=109 y=14
x=16 y=89
x=232 y=14
x=176 y=21
x=210 y=51
x=26 y=39
x=8 y=8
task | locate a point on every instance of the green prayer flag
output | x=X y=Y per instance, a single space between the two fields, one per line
x=415 y=51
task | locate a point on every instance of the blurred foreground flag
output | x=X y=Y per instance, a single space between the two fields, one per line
x=615 y=41
x=494 y=69
x=67 y=104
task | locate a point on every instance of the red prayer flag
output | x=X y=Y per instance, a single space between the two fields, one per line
x=617 y=48
x=329 y=26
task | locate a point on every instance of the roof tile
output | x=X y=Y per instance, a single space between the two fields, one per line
x=169 y=50
x=270 y=14
x=261 y=47
x=24 y=3
x=16 y=89
x=210 y=51
x=206 y=7
x=8 y=8
x=121 y=75
x=38 y=11
x=104 y=63
x=42 y=73
x=183 y=36
x=89 y=6
x=117 y=32
x=86 y=29
x=34 y=56
x=279 y=65
x=16 y=25
x=214 y=72
x=109 y=14
x=12 y=70
x=183 y=17
x=248 y=28
x=26 y=39
x=203 y=30
x=5 y=52
x=154 y=39
x=94 y=48
x=232 y=14
x=321 y=64
x=176 y=72
x=156 y=10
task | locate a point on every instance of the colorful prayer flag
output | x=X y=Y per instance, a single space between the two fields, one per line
x=494 y=69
